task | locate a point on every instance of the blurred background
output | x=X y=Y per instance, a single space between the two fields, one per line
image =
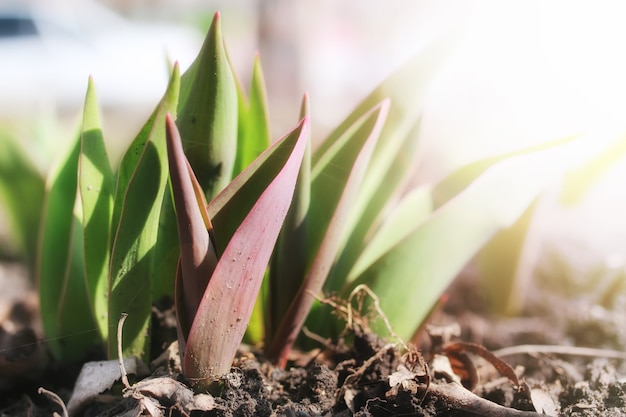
x=524 y=72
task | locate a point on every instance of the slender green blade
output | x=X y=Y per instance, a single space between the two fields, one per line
x=96 y=185
x=139 y=197
x=391 y=167
x=22 y=191
x=67 y=317
x=332 y=168
x=253 y=135
x=505 y=263
x=289 y=262
x=411 y=276
x=80 y=335
x=498 y=263
x=207 y=114
x=405 y=88
x=223 y=315
x=395 y=151
x=207 y=121
x=228 y=209
x=580 y=181
x=335 y=183
x=330 y=174
x=166 y=252
x=411 y=211
x=461 y=178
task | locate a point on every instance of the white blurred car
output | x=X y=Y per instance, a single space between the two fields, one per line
x=49 y=49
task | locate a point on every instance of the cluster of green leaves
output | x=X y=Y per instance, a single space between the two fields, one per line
x=284 y=223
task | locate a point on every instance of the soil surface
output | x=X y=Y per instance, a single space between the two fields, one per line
x=562 y=356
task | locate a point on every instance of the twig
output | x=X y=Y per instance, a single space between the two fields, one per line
x=560 y=350
x=120 y=358
x=54 y=398
x=460 y=399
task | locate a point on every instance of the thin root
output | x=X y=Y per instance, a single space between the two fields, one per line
x=379 y=310
x=54 y=398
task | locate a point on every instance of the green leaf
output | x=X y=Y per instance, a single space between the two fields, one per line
x=425 y=262
x=405 y=88
x=580 y=181
x=228 y=209
x=207 y=114
x=96 y=185
x=392 y=163
x=288 y=266
x=505 y=263
x=498 y=264
x=253 y=135
x=22 y=191
x=332 y=165
x=62 y=285
x=139 y=196
x=223 y=315
x=454 y=183
x=336 y=179
x=396 y=150
x=166 y=252
x=330 y=174
x=207 y=120
x=411 y=211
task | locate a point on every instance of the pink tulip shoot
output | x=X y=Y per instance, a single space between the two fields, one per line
x=215 y=297
x=197 y=250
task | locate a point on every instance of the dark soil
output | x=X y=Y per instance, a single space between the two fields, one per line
x=371 y=377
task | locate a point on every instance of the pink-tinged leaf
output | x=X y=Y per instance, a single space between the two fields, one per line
x=197 y=253
x=323 y=261
x=228 y=209
x=227 y=304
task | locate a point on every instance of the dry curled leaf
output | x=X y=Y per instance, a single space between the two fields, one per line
x=169 y=392
x=97 y=377
x=543 y=402
x=400 y=376
x=464 y=367
x=441 y=367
